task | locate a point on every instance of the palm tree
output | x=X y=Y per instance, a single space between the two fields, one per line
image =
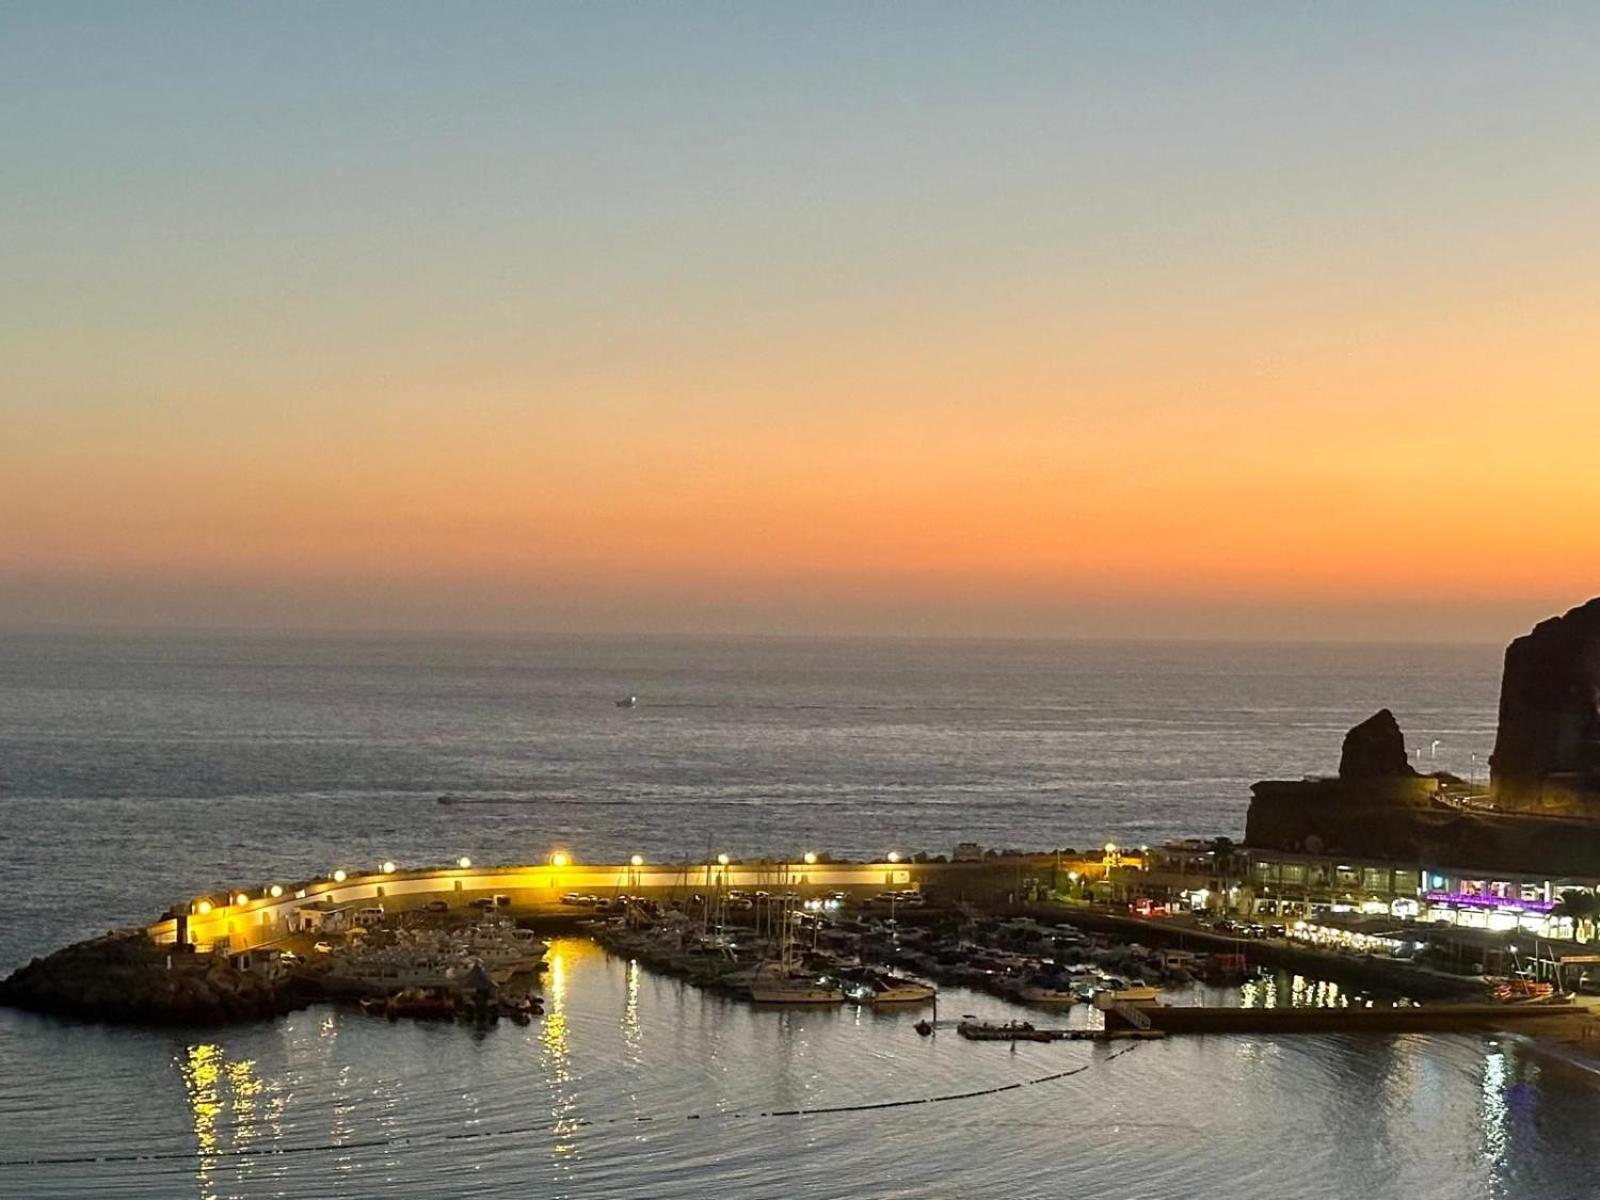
x=1582 y=907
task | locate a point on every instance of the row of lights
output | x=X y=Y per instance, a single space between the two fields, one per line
x=558 y=859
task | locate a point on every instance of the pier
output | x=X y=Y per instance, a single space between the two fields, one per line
x=1435 y=1018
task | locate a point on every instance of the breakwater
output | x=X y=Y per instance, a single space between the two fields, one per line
x=263 y=912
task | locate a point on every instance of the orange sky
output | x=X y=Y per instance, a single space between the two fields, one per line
x=1247 y=371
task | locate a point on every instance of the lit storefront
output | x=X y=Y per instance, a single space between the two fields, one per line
x=1303 y=886
x=1497 y=912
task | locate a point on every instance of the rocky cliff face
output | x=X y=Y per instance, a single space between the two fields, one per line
x=1545 y=772
x=1547 y=750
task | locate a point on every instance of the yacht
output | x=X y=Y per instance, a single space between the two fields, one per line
x=1042 y=989
x=1118 y=991
x=877 y=988
x=772 y=984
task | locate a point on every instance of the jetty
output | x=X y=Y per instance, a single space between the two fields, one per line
x=1427 y=1018
x=1024 y=1031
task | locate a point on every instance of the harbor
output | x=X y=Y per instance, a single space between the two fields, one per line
x=468 y=943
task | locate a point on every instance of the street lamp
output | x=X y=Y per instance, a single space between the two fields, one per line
x=388 y=867
x=560 y=859
x=339 y=875
x=722 y=860
x=203 y=907
x=463 y=862
x=894 y=856
x=275 y=890
x=637 y=860
x=811 y=858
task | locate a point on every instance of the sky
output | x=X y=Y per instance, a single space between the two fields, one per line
x=1106 y=320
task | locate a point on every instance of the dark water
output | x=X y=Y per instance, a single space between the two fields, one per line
x=135 y=770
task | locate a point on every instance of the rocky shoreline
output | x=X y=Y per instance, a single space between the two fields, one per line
x=123 y=978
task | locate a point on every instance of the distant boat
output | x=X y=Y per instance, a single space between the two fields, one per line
x=448 y=799
x=628 y=702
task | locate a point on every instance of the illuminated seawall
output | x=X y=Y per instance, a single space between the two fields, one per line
x=262 y=913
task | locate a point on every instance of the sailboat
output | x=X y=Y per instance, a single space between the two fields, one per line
x=785 y=981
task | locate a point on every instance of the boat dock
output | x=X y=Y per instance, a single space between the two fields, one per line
x=1428 y=1018
x=1022 y=1031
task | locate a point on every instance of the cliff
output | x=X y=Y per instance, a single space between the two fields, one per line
x=1547 y=747
x=1544 y=776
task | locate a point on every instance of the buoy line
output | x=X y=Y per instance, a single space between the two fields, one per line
x=402 y=1140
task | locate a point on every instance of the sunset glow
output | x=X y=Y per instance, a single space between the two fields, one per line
x=1046 y=324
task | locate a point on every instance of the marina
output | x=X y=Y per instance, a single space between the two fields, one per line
x=630 y=1044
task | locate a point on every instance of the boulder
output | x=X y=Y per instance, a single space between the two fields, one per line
x=1547 y=748
x=1375 y=749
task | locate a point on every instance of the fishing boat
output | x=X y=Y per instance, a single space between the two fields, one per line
x=389 y=970
x=628 y=702
x=505 y=950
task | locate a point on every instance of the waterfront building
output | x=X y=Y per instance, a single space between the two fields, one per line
x=1289 y=885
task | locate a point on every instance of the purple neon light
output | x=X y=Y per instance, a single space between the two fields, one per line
x=1490 y=903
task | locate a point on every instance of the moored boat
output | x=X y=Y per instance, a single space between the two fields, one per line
x=773 y=984
x=879 y=987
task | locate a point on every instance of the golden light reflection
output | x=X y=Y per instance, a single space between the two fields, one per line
x=632 y=1034
x=202 y=1072
x=553 y=1031
x=553 y=1034
x=1264 y=992
x=244 y=1087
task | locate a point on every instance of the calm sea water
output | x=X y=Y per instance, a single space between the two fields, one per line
x=135 y=770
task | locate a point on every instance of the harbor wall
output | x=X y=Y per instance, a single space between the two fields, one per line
x=537 y=889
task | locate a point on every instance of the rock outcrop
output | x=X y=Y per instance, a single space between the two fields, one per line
x=1547 y=749
x=1375 y=749
x=1350 y=814
x=125 y=978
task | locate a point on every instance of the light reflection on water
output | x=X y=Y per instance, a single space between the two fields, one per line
x=554 y=1034
x=1494 y=1112
x=553 y=1108
x=1283 y=991
x=202 y=1075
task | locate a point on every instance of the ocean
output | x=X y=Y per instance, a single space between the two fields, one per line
x=138 y=769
